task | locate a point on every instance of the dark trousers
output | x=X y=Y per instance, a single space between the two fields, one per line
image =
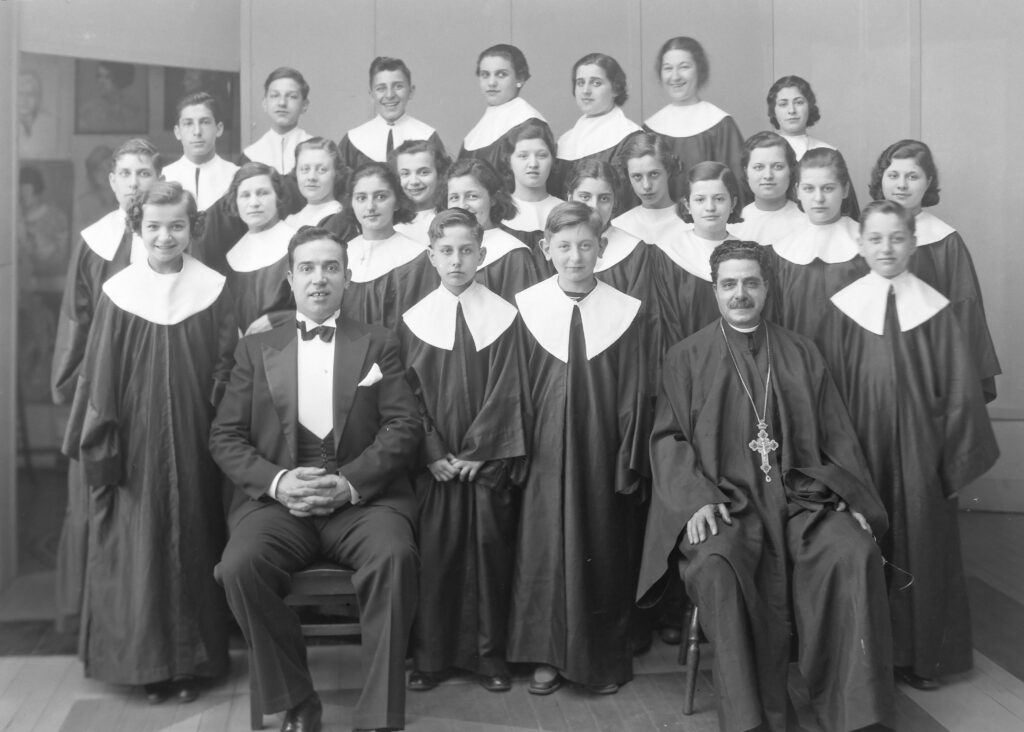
x=267 y=544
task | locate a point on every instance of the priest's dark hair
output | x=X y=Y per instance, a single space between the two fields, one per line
x=691 y=46
x=824 y=157
x=387 y=63
x=736 y=249
x=503 y=207
x=165 y=193
x=140 y=147
x=813 y=113
x=287 y=72
x=711 y=170
x=921 y=154
x=511 y=54
x=573 y=213
x=405 y=209
x=306 y=234
x=442 y=162
x=762 y=141
x=884 y=206
x=454 y=217
x=198 y=99
x=252 y=170
x=341 y=171
x=616 y=76
x=531 y=129
x=642 y=143
x=593 y=168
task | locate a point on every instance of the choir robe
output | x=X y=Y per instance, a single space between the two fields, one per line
x=789 y=562
x=342 y=225
x=699 y=132
x=767 y=228
x=158 y=358
x=214 y=178
x=592 y=138
x=528 y=226
x=313 y=214
x=571 y=597
x=653 y=225
x=464 y=360
x=368 y=143
x=942 y=260
x=484 y=140
x=909 y=380
x=419 y=228
x=389 y=276
x=509 y=267
x=684 y=288
x=811 y=265
x=276 y=150
x=258 y=277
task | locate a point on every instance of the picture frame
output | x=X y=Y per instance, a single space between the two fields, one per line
x=179 y=82
x=111 y=97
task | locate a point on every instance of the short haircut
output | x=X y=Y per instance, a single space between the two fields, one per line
x=572 y=213
x=735 y=249
x=616 y=76
x=306 y=234
x=823 y=157
x=30 y=175
x=287 y=72
x=691 y=46
x=531 y=129
x=140 y=147
x=593 y=168
x=405 y=209
x=511 y=54
x=122 y=74
x=166 y=193
x=762 y=141
x=441 y=161
x=386 y=63
x=199 y=99
x=888 y=207
x=642 y=143
x=252 y=170
x=503 y=207
x=341 y=171
x=813 y=113
x=451 y=217
x=902 y=150
x=712 y=170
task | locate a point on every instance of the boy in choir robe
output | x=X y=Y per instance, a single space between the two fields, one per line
x=391 y=89
x=904 y=365
x=571 y=592
x=463 y=357
x=285 y=100
x=200 y=170
x=106 y=247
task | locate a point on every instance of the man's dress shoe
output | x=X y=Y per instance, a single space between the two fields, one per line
x=304 y=717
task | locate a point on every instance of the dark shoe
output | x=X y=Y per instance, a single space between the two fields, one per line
x=422 y=680
x=304 y=717
x=544 y=686
x=157 y=693
x=908 y=677
x=186 y=689
x=606 y=689
x=671 y=636
x=498 y=682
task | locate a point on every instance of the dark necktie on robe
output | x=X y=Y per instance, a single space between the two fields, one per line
x=892 y=320
x=390 y=147
x=197 y=185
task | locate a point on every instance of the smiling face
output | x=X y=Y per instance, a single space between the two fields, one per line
x=598 y=194
x=166 y=233
x=574 y=252
x=198 y=132
x=886 y=244
x=497 y=80
x=417 y=173
x=467 y=192
x=315 y=174
x=768 y=175
x=373 y=203
x=284 y=104
x=650 y=181
x=679 y=77
x=456 y=257
x=710 y=204
x=531 y=164
x=741 y=292
x=391 y=92
x=318 y=278
x=905 y=182
x=792 y=110
x=821 y=195
x=257 y=203
x=594 y=93
x=131 y=177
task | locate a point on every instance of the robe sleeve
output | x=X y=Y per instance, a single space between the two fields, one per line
x=433 y=447
x=729 y=146
x=76 y=312
x=633 y=412
x=227 y=340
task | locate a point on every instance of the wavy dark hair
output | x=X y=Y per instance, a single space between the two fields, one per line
x=166 y=193
x=503 y=207
x=902 y=150
x=813 y=113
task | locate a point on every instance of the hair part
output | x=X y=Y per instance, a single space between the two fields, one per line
x=287 y=72
x=884 y=206
x=902 y=150
x=572 y=213
x=253 y=170
x=824 y=157
x=511 y=54
x=691 y=46
x=503 y=207
x=306 y=234
x=813 y=113
x=140 y=147
x=387 y=63
x=736 y=249
x=711 y=170
x=197 y=99
x=616 y=76
x=166 y=193
x=450 y=218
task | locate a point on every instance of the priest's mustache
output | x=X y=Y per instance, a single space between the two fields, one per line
x=741 y=303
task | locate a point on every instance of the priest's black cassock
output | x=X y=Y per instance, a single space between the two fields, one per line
x=389 y=276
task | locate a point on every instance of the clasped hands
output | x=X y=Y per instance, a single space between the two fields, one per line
x=703 y=521
x=313 y=492
x=450 y=467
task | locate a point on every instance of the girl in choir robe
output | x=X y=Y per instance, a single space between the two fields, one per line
x=501 y=71
x=321 y=178
x=599 y=87
x=697 y=130
x=906 y=173
x=463 y=354
x=651 y=168
x=421 y=166
x=769 y=166
x=509 y=266
x=904 y=365
x=257 y=266
x=573 y=580
x=158 y=359
x=106 y=247
x=390 y=271
x=819 y=258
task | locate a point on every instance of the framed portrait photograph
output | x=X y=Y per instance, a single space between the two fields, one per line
x=178 y=83
x=111 y=97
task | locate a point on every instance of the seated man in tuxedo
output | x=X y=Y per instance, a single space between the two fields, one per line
x=316 y=431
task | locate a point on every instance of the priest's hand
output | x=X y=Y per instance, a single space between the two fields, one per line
x=857 y=516
x=442 y=469
x=703 y=521
x=467 y=468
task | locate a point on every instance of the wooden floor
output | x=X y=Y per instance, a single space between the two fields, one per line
x=48 y=692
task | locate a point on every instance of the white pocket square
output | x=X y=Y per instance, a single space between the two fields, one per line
x=372 y=377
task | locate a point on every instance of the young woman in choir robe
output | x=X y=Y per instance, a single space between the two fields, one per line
x=651 y=168
x=390 y=271
x=905 y=367
x=819 y=258
x=463 y=354
x=501 y=71
x=258 y=264
x=106 y=247
x=906 y=173
x=599 y=88
x=421 y=167
x=769 y=165
x=572 y=586
x=510 y=266
x=285 y=100
x=391 y=89
x=158 y=358
x=321 y=177
x=697 y=130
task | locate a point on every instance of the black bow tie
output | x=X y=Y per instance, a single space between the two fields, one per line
x=326 y=332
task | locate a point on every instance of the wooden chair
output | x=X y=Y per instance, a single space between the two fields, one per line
x=689 y=654
x=322 y=583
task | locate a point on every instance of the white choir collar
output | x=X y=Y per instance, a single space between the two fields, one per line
x=692 y=252
x=487 y=315
x=260 y=249
x=368 y=260
x=268 y=149
x=685 y=120
x=620 y=245
x=313 y=213
x=499 y=120
x=498 y=243
x=768 y=227
x=165 y=299
x=532 y=215
x=371 y=138
x=831 y=243
x=606 y=313
x=594 y=134
x=929 y=229
x=802 y=143
x=864 y=301
x=104 y=237
x=419 y=228
x=652 y=224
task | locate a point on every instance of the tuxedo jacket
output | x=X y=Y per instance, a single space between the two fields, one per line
x=377 y=429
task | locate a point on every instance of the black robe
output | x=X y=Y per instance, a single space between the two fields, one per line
x=380 y=296
x=716 y=137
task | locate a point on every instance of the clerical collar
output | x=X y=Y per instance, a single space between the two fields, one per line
x=312 y=323
x=313 y=213
x=499 y=120
x=690 y=251
x=929 y=229
x=371 y=138
x=487 y=316
x=620 y=245
x=738 y=329
x=498 y=244
x=676 y=120
x=369 y=260
x=259 y=249
x=165 y=299
x=532 y=215
x=831 y=243
x=864 y=301
x=594 y=134
x=605 y=314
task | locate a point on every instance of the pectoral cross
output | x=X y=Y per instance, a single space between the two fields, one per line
x=764 y=445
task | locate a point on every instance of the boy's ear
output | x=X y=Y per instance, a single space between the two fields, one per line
x=220 y=129
x=483 y=256
x=602 y=244
x=544 y=248
x=177 y=132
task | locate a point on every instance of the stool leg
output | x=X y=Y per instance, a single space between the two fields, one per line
x=255 y=702
x=692 y=658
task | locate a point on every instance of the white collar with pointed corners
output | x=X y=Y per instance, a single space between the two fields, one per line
x=498 y=244
x=929 y=229
x=620 y=245
x=864 y=301
x=487 y=316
